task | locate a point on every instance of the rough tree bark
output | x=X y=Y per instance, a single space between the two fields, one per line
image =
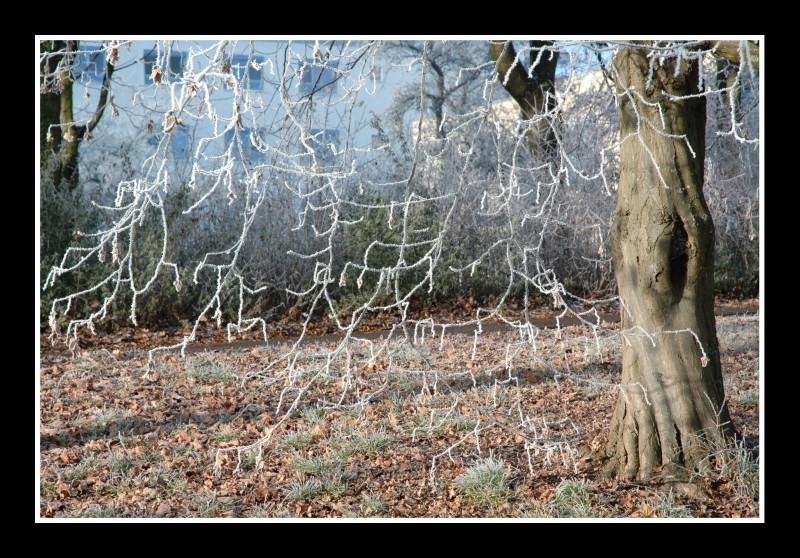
x=534 y=93
x=671 y=408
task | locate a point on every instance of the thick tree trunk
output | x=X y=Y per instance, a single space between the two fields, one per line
x=671 y=408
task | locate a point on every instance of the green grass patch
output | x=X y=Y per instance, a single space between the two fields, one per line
x=371 y=506
x=223 y=436
x=304 y=491
x=663 y=505
x=209 y=371
x=572 y=498
x=358 y=442
x=99 y=512
x=48 y=490
x=298 y=440
x=486 y=483
x=118 y=464
x=317 y=466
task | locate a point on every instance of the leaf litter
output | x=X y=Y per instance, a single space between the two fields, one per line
x=388 y=432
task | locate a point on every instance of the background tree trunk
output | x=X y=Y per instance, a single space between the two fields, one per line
x=58 y=136
x=534 y=93
x=59 y=141
x=671 y=407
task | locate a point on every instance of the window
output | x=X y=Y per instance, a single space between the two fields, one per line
x=242 y=67
x=175 y=67
x=323 y=140
x=179 y=142
x=317 y=76
x=89 y=63
x=248 y=139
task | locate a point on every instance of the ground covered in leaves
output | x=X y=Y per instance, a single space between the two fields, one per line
x=502 y=424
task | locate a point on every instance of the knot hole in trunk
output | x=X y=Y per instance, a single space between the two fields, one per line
x=678 y=258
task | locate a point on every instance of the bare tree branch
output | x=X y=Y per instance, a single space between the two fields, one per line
x=103 y=100
x=534 y=90
x=731 y=51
